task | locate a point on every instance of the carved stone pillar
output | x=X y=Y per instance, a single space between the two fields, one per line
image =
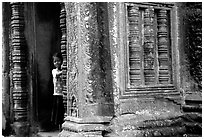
x=89 y=104
x=163 y=48
x=19 y=73
x=64 y=52
x=149 y=47
x=135 y=49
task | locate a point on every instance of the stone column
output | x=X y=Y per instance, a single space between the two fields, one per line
x=63 y=43
x=90 y=105
x=18 y=71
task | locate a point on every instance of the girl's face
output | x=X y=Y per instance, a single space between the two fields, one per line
x=57 y=62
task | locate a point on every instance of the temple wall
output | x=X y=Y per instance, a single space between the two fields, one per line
x=95 y=64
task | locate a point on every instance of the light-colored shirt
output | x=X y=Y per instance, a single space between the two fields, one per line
x=57 y=81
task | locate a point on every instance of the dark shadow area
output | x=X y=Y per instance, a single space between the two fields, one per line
x=106 y=106
x=48 y=36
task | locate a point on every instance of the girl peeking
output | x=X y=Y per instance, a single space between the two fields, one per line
x=57 y=115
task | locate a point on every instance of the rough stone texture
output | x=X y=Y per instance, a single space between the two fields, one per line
x=136 y=125
x=193 y=43
x=159 y=122
x=190 y=15
x=151 y=107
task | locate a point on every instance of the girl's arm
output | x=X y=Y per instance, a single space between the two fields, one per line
x=59 y=73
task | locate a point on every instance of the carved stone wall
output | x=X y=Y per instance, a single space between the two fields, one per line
x=87 y=55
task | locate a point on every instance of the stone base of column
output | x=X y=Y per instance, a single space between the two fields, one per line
x=21 y=129
x=84 y=127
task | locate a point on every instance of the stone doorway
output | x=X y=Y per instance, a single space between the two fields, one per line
x=47 y=37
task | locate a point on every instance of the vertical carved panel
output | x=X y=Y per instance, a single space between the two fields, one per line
x=149 y=47
x=72 y=54
x=19 y=79
x=86 y=22
x=64 y=52
x=90 y=52
x=134 y=46
x=163 y=57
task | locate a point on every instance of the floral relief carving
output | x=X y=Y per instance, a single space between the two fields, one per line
x=90 y=53
x=72 y=54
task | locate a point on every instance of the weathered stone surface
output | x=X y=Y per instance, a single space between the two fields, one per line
x=153 y=108
x=135 y=125
x=141 y=125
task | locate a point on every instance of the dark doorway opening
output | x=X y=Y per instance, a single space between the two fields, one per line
x=48 y=36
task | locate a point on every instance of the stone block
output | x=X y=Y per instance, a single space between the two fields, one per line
x=84 y=127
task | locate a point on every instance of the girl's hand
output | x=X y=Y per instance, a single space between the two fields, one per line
x=59 y=73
